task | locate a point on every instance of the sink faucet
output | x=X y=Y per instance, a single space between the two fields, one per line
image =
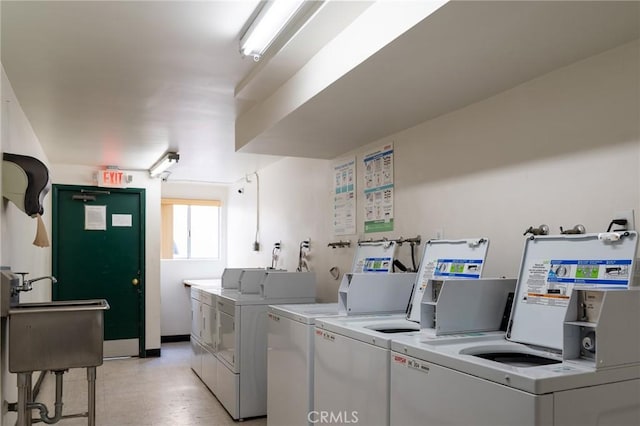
x=27 y=284
x=53 y=280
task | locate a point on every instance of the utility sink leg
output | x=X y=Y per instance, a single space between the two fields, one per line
x=91 y=379
x=24 y=397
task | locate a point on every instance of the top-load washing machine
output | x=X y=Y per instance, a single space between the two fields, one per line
x=571 y=354
x=368 y=288
x=351 y=378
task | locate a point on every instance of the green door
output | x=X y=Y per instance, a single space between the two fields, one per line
x=98 y=253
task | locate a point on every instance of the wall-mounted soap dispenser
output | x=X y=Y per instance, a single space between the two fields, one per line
x=25 y=182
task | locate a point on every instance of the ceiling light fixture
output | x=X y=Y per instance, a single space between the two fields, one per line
x=271 y=21
x=167 y=160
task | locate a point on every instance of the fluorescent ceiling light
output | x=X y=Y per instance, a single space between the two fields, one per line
x=164 y=163
x=269 y=23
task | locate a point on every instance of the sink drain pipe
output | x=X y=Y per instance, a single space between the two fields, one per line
x=26 y=403
x=26 y=395
x=44 y=411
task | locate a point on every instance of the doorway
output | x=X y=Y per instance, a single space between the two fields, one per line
x=98 y=253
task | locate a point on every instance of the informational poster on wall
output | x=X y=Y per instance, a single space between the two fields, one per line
x=378 y=190
x=344 y=197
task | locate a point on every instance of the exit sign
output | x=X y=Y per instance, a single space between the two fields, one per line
x=113 y=178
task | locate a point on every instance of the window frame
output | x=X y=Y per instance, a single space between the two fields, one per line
x=166 y=225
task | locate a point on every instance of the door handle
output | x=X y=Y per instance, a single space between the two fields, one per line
x=135 y=281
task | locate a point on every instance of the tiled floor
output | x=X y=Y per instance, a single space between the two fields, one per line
x=143 y=392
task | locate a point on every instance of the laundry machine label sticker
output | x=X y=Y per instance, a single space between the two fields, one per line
x=541 y=291
x=411 y=363
x=274 y=317
x=375 y=264
x=598 y=272
x=426 y=274
x=428 y=270
x=400 y=360
x=326 y=336
x=459 y=268
x=418 y=365
x=550 y=281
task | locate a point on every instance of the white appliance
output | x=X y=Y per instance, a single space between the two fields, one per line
x=291 y=328
x=291 y=343
x=571 y=354
x=351 y=377
x=230 y=349
x=203 y=319
x=290 y=361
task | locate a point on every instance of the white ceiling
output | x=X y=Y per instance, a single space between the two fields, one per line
x=462 y=53
x=119 y=83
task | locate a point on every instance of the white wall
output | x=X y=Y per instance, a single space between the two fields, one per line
x=17 y=230
x=560 y=150
x=176 y=308
x=83 y=175
x=294 y=196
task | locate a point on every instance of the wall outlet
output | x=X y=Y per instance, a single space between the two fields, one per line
x=625 y=214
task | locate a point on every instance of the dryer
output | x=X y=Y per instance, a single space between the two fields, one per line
x=241 y=337
x=571 y=354
x=229 y=332
x=203 y=324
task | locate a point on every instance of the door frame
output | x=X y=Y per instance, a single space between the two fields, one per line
x=54 y=246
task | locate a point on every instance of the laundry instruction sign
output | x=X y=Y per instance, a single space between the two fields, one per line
x=378 y=190
x=344 y=197
x=550 y=281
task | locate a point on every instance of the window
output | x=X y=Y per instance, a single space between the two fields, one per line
x=190 y=229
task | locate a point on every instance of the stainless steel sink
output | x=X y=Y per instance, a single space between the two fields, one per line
x=56 y=335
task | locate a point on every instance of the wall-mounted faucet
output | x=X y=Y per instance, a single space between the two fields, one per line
x=27 y=285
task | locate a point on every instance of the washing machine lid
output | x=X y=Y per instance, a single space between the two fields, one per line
x=306 y=312
x=374 y=257
x=447 y=259
x=359 y=328
x=552 y=265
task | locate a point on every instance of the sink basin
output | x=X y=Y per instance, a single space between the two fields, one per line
x=56 y=335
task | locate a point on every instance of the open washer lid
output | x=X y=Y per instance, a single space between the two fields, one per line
x=374 y=256
x=552 y=265
x=447 y=259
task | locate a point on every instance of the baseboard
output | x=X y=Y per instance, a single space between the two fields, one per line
x=175 y=338
x=152 y=353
